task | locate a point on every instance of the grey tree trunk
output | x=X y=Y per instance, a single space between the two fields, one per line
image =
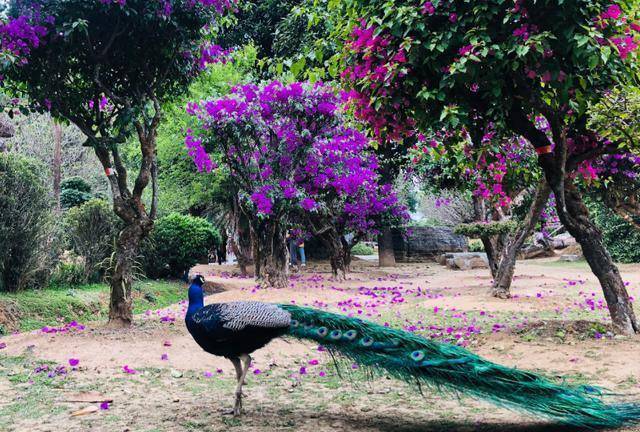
x=506 y=265
x=386 y=255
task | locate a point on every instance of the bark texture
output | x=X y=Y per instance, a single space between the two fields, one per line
x=507 y=263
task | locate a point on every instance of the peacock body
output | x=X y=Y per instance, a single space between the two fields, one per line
x=235 y=330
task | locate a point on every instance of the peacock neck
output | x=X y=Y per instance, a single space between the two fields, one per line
x=196 y=299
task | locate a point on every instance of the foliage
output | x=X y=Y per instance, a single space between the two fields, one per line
x=620 y=237
x=287 y=150
x=38 y=308
x=475 y=245
x=25 y=224
x=177 y=243
x=486 y=229
x=76 y=183
x=68 y=275
x=176 y=171
x=362 y=249
x=92 y=229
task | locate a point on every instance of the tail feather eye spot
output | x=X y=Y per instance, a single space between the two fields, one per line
x=366 y=341
x=336 y=335
x=322 y=331
x=294 y=323
x=350 y=335
x=417 y=356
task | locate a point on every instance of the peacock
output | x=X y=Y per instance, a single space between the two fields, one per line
x=236 y=329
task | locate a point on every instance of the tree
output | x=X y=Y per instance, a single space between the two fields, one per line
x=288 y=151
x=496 y=172
x=107 y=67
x=480 y=63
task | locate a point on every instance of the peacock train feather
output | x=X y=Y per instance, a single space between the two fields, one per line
x=412 y=358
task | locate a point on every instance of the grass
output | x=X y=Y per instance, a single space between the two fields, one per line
x=37 y=308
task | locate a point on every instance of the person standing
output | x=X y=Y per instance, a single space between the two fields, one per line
x=303 y=258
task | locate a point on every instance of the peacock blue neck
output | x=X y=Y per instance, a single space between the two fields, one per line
x=196 y=298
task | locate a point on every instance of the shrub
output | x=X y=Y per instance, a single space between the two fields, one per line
x=476 y=245
x=621 y=239
x=25 y=224
x=485 y=229
x=362 y=249
x=177 y=243
x=76 y=183
x=74 y=192
x=70 y=198
x=91 y=229
x=68 y=274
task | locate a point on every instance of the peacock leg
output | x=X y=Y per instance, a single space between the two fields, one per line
x=237 y=409
x=237 y=364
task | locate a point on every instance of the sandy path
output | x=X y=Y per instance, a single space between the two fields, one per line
x=544 y=290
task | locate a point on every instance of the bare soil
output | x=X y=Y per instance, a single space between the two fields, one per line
x=556 y=324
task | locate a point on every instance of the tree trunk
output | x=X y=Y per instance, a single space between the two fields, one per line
x=120 y=305
x=346 y=248
x=575 y=218
x=333 y=242
x=386 y=255
x=491 y=248
x=574 y=215
x=56 y=163
x=506 y=266
x=272 y=254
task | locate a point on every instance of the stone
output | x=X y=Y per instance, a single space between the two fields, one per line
x=569 y=258
x=467 y=260
x=422 y=244
x=562 y=241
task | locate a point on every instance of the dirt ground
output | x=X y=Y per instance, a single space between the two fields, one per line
x=556 y=324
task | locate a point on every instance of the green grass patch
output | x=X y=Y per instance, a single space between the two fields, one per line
x=34 y=309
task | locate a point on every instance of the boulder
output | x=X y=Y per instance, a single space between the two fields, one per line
x=562 y=241
x=570 y=258
x=465 y=260
x=421 y=244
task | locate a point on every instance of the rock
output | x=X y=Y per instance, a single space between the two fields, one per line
x=467 y=260
x=569 y=258
x=562 y=241
x=426 y=243
x=535 y=251
x=176 y=373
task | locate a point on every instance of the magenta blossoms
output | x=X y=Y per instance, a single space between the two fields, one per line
x=291 y=157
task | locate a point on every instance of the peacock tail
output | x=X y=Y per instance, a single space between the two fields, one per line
x=414 y=359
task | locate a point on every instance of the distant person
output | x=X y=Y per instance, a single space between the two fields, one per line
x=303 y=258
x=293 y=250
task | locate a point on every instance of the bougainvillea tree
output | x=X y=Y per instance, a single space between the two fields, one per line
x=107 y=66
x=495 y=172
x=293 y=160
x=451 y=63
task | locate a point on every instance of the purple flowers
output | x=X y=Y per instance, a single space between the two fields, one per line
x=126 y=369
x=73 y=362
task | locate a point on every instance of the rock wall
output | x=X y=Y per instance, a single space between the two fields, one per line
x=426 y=243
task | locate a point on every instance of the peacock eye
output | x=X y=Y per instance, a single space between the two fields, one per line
x=294 y=323
x=366 y=341
x=417 y=356
x=335 y=335
x=322 y=331
x=350 y=335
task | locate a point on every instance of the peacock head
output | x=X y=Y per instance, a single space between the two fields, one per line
x=198 y=280
x=196 y=293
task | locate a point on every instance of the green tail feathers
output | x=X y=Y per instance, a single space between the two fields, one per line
x=412 y=358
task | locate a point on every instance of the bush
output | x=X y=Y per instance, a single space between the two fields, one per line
x=485 y=229
x=177 y=243
x=621 y=239
x=362 y=249
x=68 y=274
x=76 y=183
x=476 y=245
x=91 y=230
x=74 y=192
x=25 y=224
